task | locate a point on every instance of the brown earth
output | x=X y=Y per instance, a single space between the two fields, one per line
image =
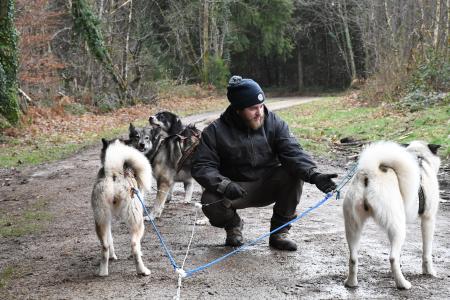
x=61 y=260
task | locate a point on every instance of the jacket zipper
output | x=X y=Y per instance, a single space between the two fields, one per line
x=252 y=148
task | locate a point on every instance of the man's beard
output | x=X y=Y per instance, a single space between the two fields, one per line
x=255 y=123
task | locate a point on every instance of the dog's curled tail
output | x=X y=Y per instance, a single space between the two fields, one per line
x=376 y=160
x=118 y=154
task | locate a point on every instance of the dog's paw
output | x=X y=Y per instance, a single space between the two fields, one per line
x=148 y=218
x=351 y=282
x=429 y=272
x=103 y=273
x=428 y=269
x=202 y=221
x=404 y=285
x=144 y=271
x=155 y=214
x=113 y=257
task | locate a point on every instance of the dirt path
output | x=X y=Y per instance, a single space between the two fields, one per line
x=62 y=260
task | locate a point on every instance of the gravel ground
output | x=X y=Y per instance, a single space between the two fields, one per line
x=61 y=261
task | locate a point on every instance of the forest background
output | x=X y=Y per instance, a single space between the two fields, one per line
x=66 y=58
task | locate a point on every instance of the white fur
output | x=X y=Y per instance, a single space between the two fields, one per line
x=118 y=153
x=385 y=187
x=112 y=196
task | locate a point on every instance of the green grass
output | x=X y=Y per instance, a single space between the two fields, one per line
x=6 y=275
x=33 y=220
x=318 y=124
x=46 y=149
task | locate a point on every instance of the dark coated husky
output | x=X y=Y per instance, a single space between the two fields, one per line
x=169 y=122
x=172 y=163
x=123 y=168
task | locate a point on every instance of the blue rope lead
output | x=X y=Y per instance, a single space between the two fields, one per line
x=343 y=182
x=184 y=273
x=243 y=247
x=172 y=260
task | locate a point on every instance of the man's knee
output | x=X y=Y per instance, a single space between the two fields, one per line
x=214 y=209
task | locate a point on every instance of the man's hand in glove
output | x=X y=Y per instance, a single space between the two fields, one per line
x=234 y=191
x=324 y=182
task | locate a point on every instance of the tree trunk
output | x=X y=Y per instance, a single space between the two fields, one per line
x=205 y=41
x=300 y=85
x=9 y=104
x=348 y=41
x=126 y=47
x=447 y=31
x=440 y=32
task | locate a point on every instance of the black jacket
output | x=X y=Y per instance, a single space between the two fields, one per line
x=231 y=151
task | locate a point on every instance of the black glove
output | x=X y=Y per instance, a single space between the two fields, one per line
x=324 y=182
x=234 y=191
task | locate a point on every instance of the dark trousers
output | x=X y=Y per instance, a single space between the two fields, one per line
x=278 y=187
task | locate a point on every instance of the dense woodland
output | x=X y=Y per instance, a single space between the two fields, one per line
x=109 y=53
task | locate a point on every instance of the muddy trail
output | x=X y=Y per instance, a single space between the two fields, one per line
x=61 y=260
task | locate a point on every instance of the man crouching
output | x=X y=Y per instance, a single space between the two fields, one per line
x=249 y=158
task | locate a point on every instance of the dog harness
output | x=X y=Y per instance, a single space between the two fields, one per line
x=129 y=176
x=158 y=145
x=189 y=151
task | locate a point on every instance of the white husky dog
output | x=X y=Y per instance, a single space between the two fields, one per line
x=123 y=168
x=389 y=185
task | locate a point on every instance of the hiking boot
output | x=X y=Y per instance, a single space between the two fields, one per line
x=234 y=235
x=279 y=240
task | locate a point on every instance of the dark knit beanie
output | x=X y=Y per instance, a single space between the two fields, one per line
x=244 y=92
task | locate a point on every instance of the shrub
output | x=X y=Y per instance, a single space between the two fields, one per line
x=218 y=72
x=418 y=100
x=75 y=108
x=432 y=74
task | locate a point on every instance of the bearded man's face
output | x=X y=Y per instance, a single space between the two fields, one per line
x=253 y=116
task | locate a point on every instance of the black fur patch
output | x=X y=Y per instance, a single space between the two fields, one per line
x=366 y=206
x=433 y=148
x=421 y=201
x=383 y=168
x=366 y=181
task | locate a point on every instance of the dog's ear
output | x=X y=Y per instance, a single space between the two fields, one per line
x=434 y=148
x=405 y=145
x=105 y=143
x=131 y=128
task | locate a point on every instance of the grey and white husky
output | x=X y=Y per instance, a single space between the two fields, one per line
x=123 y=168
x=393 y=185
x=140 y=138
x=165 y=155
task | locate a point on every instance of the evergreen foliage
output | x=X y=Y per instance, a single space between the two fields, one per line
x=285 y=45
x=261 y=27
x=87 y=25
